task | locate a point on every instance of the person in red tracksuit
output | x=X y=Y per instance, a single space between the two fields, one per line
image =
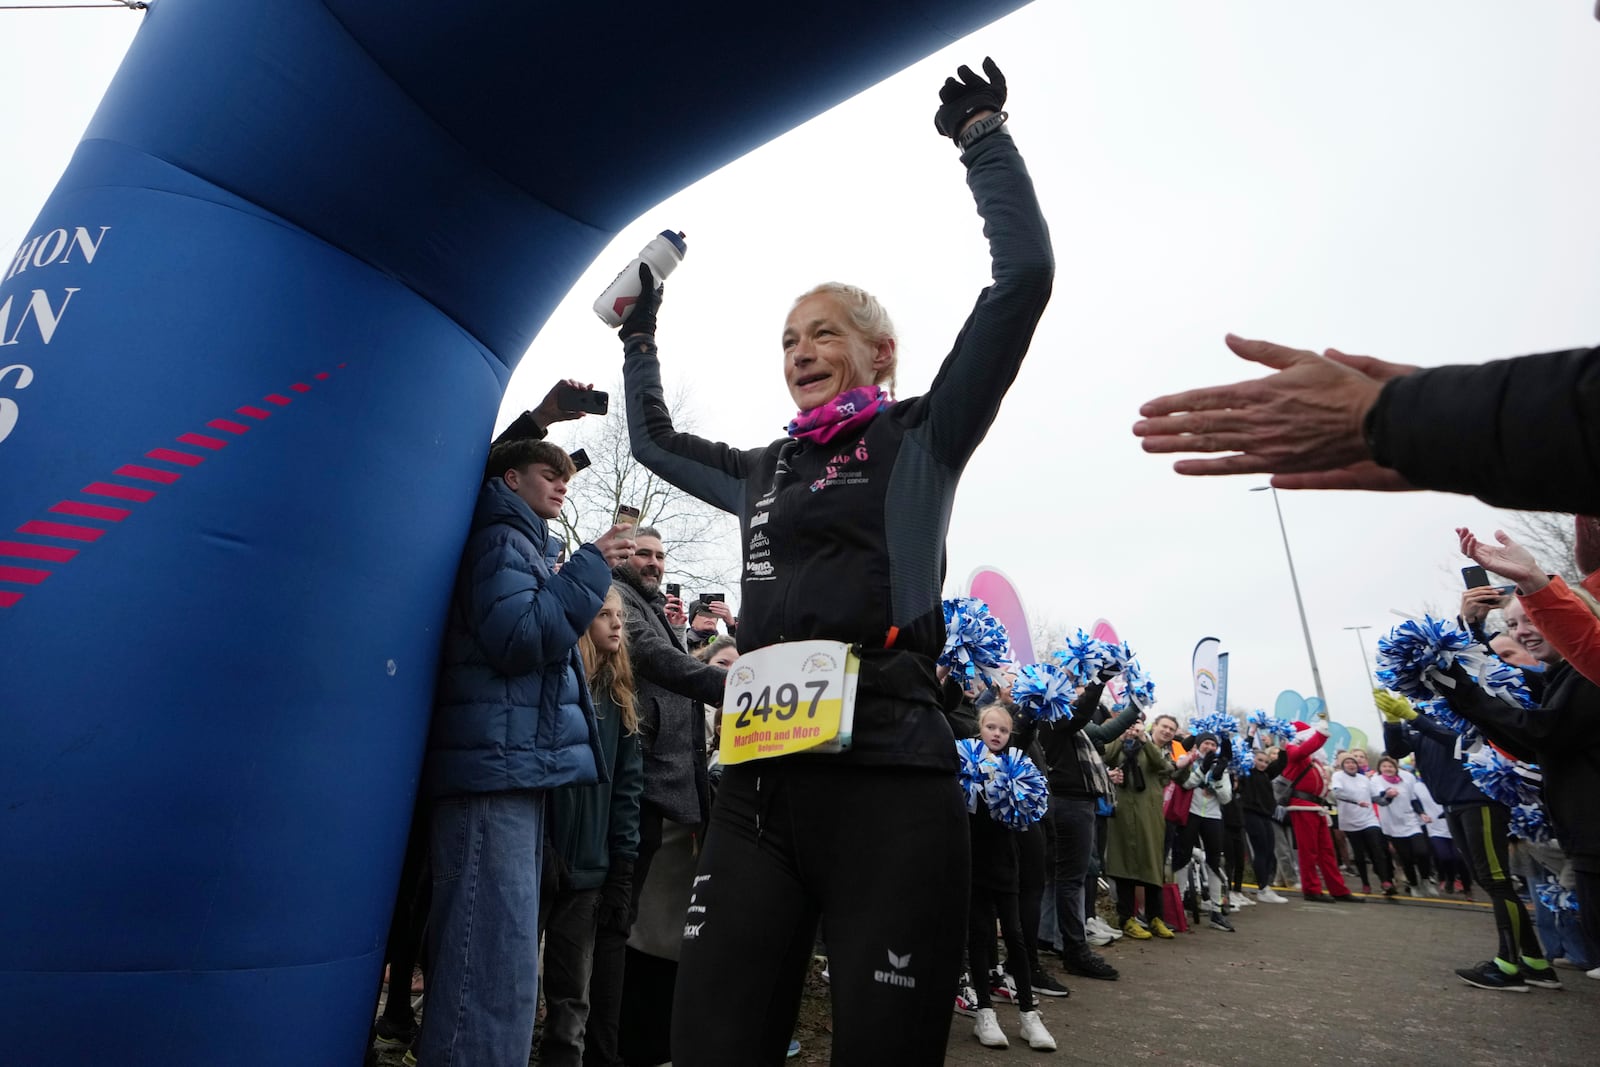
x=1309 y=817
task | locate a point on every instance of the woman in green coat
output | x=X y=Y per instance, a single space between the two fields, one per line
x=1136 y=834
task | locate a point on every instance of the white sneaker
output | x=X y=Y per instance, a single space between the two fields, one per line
x=1104 y=929
x=1271 y=896
x=1594 y=973
x=987 y=1029
x=1034 y=1033
x=1241 y=900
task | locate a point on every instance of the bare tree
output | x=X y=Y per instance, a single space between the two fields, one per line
x=701 y=541
x=1551 y=537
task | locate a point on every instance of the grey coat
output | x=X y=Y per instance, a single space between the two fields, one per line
x=670 y=687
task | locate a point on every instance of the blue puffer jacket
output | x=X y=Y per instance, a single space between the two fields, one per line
x=511 y=710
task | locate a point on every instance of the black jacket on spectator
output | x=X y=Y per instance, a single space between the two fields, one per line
x=1515 y=433
x=1563 y=737
x=1064 y=757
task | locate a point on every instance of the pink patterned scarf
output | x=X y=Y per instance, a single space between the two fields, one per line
x=845 y=413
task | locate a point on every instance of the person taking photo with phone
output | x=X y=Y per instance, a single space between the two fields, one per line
x=844 y=523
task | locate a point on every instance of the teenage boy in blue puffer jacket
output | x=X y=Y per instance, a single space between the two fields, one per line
x=512 y=720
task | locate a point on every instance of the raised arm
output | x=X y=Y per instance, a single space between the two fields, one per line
x=965 y=395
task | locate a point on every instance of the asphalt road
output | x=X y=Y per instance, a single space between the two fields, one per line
x=1304 y=983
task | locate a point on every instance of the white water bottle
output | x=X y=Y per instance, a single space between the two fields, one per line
x=663 y=253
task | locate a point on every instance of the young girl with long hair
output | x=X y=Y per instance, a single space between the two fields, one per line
x=594 y=839
x=995 y=896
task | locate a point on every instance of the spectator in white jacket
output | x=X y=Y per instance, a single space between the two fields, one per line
x=1208 y=777
x=1352 y=793
x=1402 y=818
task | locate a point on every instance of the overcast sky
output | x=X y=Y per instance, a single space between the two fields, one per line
x=1414 y=181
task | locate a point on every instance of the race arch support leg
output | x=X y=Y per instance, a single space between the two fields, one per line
x=250 y=355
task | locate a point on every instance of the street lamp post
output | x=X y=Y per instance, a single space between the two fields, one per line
x=1363 y=646
x=1305 y=628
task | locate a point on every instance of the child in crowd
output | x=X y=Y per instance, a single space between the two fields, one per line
x=594 y=840
x=994 y=894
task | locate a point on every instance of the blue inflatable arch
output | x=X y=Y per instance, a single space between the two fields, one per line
x=250 y=357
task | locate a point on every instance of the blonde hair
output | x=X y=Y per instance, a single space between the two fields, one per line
x=1001 y=708
x=612 y=672
x=866 y=315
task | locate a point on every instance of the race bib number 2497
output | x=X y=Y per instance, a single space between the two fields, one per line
x=788 y=698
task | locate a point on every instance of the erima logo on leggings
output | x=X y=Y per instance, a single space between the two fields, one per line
x=893 y=977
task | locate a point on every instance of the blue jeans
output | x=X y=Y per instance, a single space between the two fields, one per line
x=483 y=930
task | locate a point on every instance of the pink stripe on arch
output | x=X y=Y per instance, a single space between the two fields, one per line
x=121 y=492
x=172 y=455
x=300 y=387
x=7 y=598
x=228 y=426
x=200 y=440
x=149 y=474
x=278 y=399
x=23 y=550
x=60 y=529
x=22 y=575
x=91 y=511
x=253 y=412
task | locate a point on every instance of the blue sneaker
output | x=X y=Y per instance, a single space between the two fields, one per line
x=794 y=1048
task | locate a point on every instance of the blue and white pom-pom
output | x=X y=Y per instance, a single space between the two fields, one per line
x=1415 y=660
x=1266 y=724
x=975 y=642
x=1514 y=784
x=1556 y=898
x=1529 y=823
x=1445 y=716
x=1018 y=795
x=1244 y=761
x=976 y=764
x=1502 y=680
x=1141 y=690
x=1045 y=691
x=1416 y=656
x=1085 y=656
x=1218 y=723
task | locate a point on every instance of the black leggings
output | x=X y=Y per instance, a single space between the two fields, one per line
x=1032 y=853
x=987 y=906
x=1234 y=846
x=1415 y=857
x=1368 y=846
x=882 y=855
x=1480 y=831
x=1263 y=846
x=1152 y=900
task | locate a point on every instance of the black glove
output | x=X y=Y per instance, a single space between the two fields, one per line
x=615 y=910
x=642 y=319
x=961 y=99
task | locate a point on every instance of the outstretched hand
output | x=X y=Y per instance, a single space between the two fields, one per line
x=1303 y=422
x=1508 y=558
